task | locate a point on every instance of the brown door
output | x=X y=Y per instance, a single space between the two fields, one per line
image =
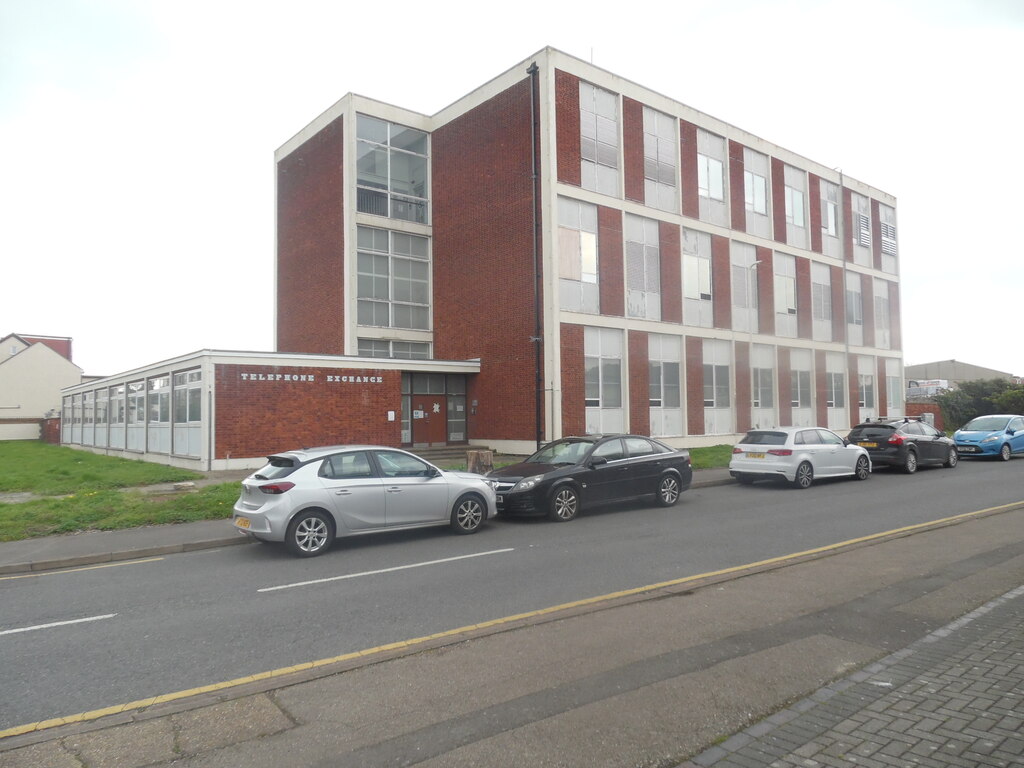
x=429 y=420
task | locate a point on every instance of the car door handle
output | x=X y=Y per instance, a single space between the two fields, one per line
x=343 y=492
x=394 y=489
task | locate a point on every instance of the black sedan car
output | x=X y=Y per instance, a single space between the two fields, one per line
x=906 y=443
x=579 y=472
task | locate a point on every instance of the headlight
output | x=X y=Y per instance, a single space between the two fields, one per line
x=991 y=439
x=527 y=483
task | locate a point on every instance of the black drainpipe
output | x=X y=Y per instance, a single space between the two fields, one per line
x=538 y=332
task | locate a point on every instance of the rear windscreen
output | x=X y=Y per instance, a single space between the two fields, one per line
x=880 y=432
x=764 y=438
x=279 y=466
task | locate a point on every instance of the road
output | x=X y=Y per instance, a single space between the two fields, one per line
x=152 y=627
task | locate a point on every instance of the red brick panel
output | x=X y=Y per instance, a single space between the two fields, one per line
x=779 y=199
x=881 y=390
x=895 y=322
x=262 y=410
x=671 y=272
x=847 y=224
x=567 y=128
x=737 y=194
x=820 y=387
x=721 y=283
x=611 y=278
x=574 y=391
x=487 y=150
x=814 y=197
x=920 y=409
x=311 y=246
x=785 y=374
x=633 y=148
x=838 y=303
x=688 y=169
x=804 y=316
x=743 y=397
x=694 y=385
x=853 y=385
x=639 y=384
x=867 y=297
x=876 y=234
x=765 y=276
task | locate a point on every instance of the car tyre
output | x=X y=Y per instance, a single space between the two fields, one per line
x=1004 y=452
x=668 y=490
x=804 y=475
x=565 y=504
x=468 y=514
x=310 y=533
x=862 y=471
x=953 y=459
x=910 y=463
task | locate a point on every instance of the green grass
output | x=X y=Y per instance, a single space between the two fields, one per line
x=80 y=491
x=51 y=470
x=711 y=457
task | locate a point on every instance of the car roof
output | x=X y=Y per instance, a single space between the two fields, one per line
x=787 y=430
x=308 y=454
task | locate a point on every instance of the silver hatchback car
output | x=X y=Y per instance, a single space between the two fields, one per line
x=797 y=454
x=307 y=498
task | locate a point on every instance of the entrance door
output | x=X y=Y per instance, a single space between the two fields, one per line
x=429 y=420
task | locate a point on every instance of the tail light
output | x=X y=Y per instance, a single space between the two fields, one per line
x=780 y=452
x=737 y=450
x=275 y=488
x=896 y=439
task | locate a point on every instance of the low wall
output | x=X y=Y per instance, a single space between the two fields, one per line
x=19 y=429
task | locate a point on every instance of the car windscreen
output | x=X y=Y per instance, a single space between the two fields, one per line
x=985 y=424
x=278 y=466
x=872 y=432
x=561 y=452
x=764 y=438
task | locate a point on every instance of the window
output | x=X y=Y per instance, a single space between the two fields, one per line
x=835 y=390
x=188 y=397
x=755 y=192
x=393 y=279
x=785 y=285
x=159 y=400
x=391 y=170
x=794 y=207
x=345 y=466
x=661 y=140
x=599 y=140
x=743 y=267
x=603 y=363
x=710 y=177
x=696 y=277
x=643 y=268
x=830 y=218
x=763 y=387
x=854 y=300
x=664 y=384
x=716 y=386
x=577 y=256
x=865 y=390
x=800 y=389
x=821 y=301
x=883 y=330
x=414 y=350
x=863 y=230
x=697 y=288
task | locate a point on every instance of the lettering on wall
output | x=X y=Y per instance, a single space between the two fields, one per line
x=312 y=378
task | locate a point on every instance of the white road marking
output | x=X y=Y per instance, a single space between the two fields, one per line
x=383 y=570
x=57 y=624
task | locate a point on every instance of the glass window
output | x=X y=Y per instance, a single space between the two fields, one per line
x=342 y=466
x=391 y=170
x=755 y=192
x=599 y=140
x=611 y=451
x=763 y=385
x=643 y=268
x=393 y=279
x=835 y=390
x=396 y=464
x=866 y=390
x=800 y=389
x=716 y=386
x=794 y=207
x=577 y=255
x=661 y=140
x=603 y=367
x=710 y=177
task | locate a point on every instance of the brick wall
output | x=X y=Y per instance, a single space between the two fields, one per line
x=695 y=385
x=311 y=246
x=804 y=315
x=785 y=387
x=574 y=415
x=814 y=197
x=567 y=130
x=737 y=194
x=778 y=183
x=721 y=283
x=639 y=384
x=820 y=387
x=482 y=197
x=688 y=169
x=920 y=409
x=611 y=279
x=742 y=399
x=258 y=416
x=671 y=273
x=837 y=279
x=633 y=148
x=765 y=276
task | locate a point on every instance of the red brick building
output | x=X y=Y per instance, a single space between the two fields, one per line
x=593 y=256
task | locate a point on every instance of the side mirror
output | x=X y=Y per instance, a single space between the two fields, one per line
x=597 y=461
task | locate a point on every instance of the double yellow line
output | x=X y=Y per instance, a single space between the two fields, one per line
x=95 y=714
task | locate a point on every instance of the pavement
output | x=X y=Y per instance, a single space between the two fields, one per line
x=903 y=649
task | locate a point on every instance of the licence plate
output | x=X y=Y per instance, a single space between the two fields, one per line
x=966 y=448
x=242 y=522
x=755 y=455
x=868 y=445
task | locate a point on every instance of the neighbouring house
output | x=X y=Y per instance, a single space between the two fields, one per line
x=33 y=370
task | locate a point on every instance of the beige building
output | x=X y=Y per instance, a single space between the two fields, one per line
x=954 y=372
x=33 y=370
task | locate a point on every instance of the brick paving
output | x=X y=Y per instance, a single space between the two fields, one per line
x=954 y=698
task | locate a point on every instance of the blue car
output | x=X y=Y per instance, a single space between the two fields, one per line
x=999 y=435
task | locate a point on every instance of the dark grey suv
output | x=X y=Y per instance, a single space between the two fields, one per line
x=906 y=443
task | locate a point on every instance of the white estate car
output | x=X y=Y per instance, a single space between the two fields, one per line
x=797 y=454
x=308 y=497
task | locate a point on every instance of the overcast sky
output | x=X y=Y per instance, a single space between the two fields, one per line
x=136 y=191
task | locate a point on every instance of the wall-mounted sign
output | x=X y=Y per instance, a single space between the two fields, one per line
x=311 y=377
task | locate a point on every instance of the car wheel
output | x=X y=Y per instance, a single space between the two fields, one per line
x=668 y=491
x=468 y=514
x=953 y=459
x=1004 y=452
x=910 y=463
x=564 y=504
x=804 y=475
x=310 y=533
x=862 y=471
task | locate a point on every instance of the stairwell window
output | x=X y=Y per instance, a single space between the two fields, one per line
x=391 y=170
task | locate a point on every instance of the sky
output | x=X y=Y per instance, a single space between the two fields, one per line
x=137 y=183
